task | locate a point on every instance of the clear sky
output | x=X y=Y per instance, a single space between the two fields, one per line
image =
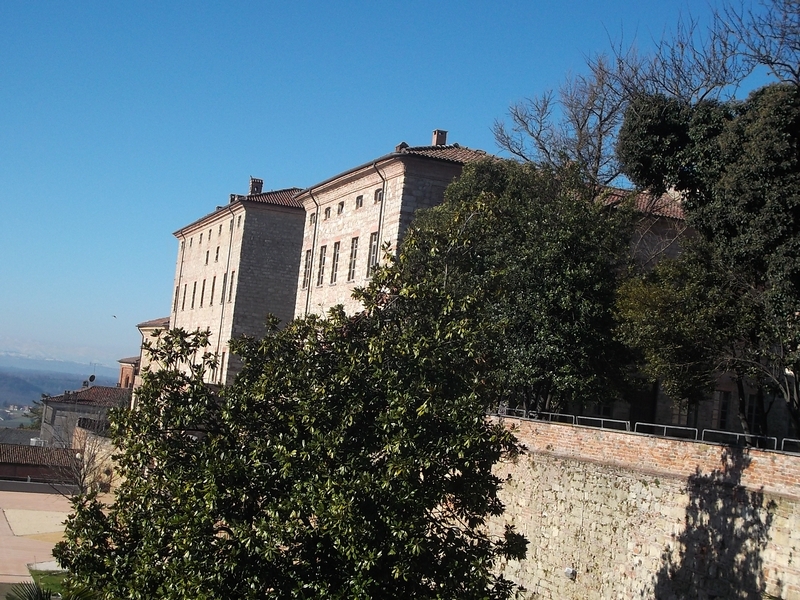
x=120 y=122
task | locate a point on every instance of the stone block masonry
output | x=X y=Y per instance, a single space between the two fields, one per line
x=638 y=516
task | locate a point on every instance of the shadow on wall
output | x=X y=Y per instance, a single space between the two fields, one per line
x=719 y=553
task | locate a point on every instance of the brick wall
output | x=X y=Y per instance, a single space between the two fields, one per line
x=646 y=517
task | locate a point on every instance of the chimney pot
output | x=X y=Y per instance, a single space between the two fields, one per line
x=439 y=137
x=256 y=185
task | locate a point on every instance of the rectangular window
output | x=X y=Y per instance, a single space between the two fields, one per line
x=194 y=293
x=190 y=242
x=216 y=258
x=183 y=302
x=239 y=222
x=307 y=269
x=372 y=262
x=206 y=256
x=202 y=292
x=211 y=295
x=201 y=238
x=351 y=270
x=175 y=302
x=378 y=195
x=224 y=283
x=359 y=201
x=334 y=262
x=230 y=289
x=321 y=272
x=220 y=229
x=752 y=400
x=312 y=218
x=327 y=213
x=724 y=409
x=340 y=210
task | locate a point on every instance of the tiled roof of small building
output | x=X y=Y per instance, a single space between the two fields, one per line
x=37 y=455
x=276 y=197
x=667 y=205
x=161 y=323
x=17 y=436
x=130 y=360
x=452 y=152
x=98 y=395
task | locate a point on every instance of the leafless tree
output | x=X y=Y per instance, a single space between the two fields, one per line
x=769 y=37
x=92 y=469
x=578 y=124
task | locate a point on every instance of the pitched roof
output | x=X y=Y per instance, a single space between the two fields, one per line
x=97 y=395
x=277 y=198
x=17 y=436
x=452 y=152
x=37 y=455
x=284 y=198
x=130 y=360
x=667 y=205
x=160 y=323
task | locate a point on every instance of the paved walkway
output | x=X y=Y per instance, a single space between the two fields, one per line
x=30 y=525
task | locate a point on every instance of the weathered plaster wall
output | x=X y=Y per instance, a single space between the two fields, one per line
x=644 y=517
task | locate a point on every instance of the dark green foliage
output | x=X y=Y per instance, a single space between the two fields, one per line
x=351 y=459
x=738 y=168
x=542 y=258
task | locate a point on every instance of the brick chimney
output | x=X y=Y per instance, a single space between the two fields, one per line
x=439 y=137
x=256 y=185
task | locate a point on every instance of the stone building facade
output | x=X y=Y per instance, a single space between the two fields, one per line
x=235 y=266
x=349 y=217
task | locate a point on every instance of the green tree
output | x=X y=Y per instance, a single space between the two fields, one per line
x=543 y=259
x=737 y=166
x=350 y=459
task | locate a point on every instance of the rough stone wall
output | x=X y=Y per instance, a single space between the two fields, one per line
x=423 y=187
x=266 y=277
x=242 y=268
x=644 y=517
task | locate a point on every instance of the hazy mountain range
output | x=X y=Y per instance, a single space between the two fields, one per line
x=23 y=379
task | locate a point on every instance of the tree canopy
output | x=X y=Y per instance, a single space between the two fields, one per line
x=737 y=167
x=544 y=257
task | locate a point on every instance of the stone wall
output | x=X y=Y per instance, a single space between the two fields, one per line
x=644 y=517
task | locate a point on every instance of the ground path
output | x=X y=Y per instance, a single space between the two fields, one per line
x=30 y=525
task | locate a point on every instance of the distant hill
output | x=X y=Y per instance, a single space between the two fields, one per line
x=16 y=361
x=23 y=386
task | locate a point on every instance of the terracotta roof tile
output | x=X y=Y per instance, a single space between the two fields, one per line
x=37 y=455
x=98 y=395
x=277 y=197
x=667 y=205
x=453 y=153
x=130 y=360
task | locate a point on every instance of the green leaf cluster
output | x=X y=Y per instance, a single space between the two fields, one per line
x=350 y=459
x=730 y=303
x=540 y=259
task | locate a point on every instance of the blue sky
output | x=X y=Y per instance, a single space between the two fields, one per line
x=122 y=122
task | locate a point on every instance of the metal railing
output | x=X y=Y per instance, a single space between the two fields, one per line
x=669 y=431
x=691 y=434
x=739 y=439
x=794 y=445
x=603 y=423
